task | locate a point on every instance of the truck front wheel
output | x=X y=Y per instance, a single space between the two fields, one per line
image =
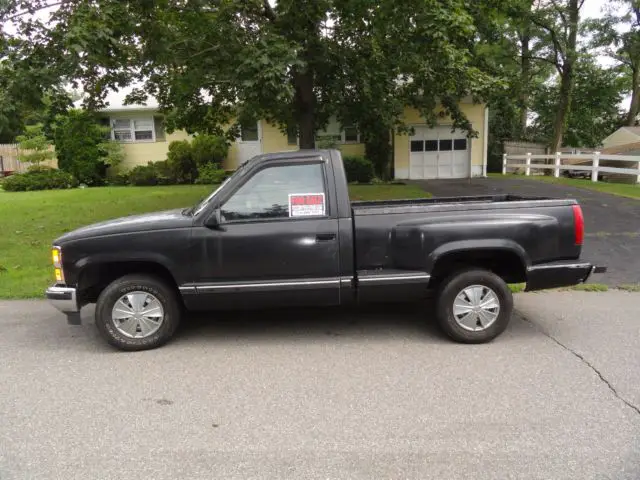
x=474 y=306
x=138 y=312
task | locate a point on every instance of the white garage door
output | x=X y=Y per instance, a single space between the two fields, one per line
x=438 y=153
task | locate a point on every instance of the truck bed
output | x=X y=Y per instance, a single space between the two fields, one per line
x=482 y=202
x=411 y=234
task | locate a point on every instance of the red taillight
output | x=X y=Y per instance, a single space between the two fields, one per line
x=578 y=224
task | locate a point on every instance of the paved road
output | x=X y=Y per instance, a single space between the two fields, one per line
x=612 y=223
x=327 y=395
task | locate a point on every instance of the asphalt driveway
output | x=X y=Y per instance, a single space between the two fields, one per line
x=308 y=394
x=612 y=223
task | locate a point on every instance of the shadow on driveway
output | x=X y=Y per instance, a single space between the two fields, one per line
x=612 y=223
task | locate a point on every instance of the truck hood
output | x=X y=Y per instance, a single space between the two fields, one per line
x=168 y=219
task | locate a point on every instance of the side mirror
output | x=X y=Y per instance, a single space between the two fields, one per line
x=214 y=220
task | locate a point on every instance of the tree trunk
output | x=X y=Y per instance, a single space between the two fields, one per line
x=304 y=104
x=567 y=78
x=634 y=108
x=377 y=148
x=525 y=77
x=564 y=105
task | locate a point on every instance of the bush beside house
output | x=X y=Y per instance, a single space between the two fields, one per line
x=210 y=174
x=39 y=178
x=83 y=147
x=198 y=161
x=358 y=169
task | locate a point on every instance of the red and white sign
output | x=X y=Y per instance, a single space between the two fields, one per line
x=306 y=204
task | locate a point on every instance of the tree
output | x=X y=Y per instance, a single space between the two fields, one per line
x=294 y=62
x=35 y=148
x=559 y=21
x=595 y=114
x=84 y=148
x=30 y=92
x=617 y=33
x=511 y=47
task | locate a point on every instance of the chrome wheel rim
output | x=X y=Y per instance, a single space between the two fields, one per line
x=137 y=314
x=476 y=308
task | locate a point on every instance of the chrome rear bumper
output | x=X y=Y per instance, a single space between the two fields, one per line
x=560 y=274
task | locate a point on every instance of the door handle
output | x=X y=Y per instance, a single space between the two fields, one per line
x=325 y=237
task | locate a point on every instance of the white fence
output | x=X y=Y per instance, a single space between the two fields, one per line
x=596 y=163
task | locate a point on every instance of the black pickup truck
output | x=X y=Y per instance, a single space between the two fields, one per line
x=282 y=231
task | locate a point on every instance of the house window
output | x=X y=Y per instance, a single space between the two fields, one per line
x=446 y=145
x=431 y=145
x=460 y=144
x=334 y=132
x=121 y=130
x=249 y=132
x=417 y=145
x=133 y=129
x=350 y=135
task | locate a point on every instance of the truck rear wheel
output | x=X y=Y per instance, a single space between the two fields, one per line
x=474 y=306
x=138 y=312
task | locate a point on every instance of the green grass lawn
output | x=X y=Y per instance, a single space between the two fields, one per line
x=620 y=189
x=30 y=221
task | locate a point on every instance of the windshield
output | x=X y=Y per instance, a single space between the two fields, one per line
x=203 y=204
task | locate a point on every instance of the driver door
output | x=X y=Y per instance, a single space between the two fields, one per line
x=276 y=243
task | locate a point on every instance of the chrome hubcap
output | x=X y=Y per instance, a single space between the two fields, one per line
x=137 y=315
x=476 y=308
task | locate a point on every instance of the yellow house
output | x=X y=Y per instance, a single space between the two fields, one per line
x=426 y=153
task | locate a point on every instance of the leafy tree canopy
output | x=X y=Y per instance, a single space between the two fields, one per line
x=595 y=113
x=292 y=61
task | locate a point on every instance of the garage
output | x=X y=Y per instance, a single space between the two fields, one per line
x=438 y=153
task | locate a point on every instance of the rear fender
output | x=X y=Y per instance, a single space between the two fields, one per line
x=482 y=254
x=465 y=246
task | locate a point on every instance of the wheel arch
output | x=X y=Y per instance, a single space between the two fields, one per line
x=94 y=276
x=505 y=258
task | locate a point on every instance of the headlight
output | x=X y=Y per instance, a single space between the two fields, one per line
x=56 y=257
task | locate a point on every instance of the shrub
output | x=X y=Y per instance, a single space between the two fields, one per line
x=39 y=179
x=164 y=173
x=153 y=173
x=181 y=162
x=358 y=169
x=209 y=174
x=143 y=175
x=35 y=147
x=209 y=150
x=118 y=179
x=38 y=169
x=83 y=148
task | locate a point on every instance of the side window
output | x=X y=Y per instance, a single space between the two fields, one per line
x=279 y=192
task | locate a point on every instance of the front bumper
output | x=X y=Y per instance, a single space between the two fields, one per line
x=560 y=274
x=63 y=298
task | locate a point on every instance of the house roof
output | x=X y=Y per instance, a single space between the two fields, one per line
x=634 y=131
x=626 y=148
x=115 y=102
x=129 y=108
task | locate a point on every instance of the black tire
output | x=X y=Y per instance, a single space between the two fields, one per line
x=455 y=284
x=165 y=294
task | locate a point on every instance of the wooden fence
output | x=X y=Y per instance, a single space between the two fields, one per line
x=9 y=163
x=625 y=167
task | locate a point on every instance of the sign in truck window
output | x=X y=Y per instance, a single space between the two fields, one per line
x=306 y=204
